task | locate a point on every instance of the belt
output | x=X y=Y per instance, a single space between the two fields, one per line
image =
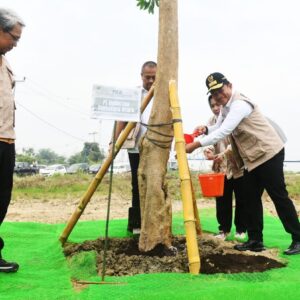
x=8 y=141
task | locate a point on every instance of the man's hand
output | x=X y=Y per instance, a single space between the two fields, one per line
x=199 y=130
x=189 y=148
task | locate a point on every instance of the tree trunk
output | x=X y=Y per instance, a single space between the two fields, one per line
x=156 y=209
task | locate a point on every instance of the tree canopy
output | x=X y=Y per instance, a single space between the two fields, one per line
x=91 y=153
x=148 y=5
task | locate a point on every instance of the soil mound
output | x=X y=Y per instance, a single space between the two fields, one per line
x=124 y=257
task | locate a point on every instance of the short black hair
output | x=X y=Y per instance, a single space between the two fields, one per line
x=149 y=63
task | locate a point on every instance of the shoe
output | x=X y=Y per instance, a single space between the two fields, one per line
x=240 y=235
x=134 y=220
x=8 y=267
x=221 y=235
x=136 y=230
x=294 y=248
x=133 y=230
x=251 y=245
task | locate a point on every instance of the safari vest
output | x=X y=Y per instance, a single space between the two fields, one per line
x=7 y=104
x=254 y=141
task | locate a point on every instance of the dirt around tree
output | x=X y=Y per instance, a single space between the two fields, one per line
x=124 y=257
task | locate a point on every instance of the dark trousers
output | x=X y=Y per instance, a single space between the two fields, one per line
x=7 y=163
x=224 y=206
x=269 y=176
x=134 y=216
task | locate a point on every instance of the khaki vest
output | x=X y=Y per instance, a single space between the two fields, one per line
x=254 y=141
x=7 y=104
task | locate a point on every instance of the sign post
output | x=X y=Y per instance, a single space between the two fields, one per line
x=114 y=103
x=118 y=104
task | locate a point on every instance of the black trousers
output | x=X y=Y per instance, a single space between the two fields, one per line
x=269 y=176
x=134 y=217
x=7 y=163
x=224 y=206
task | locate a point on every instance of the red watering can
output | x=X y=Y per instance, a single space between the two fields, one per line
x=189 y=138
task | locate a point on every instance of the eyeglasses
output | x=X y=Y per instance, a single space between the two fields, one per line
x=14 y=37
x=148 y=77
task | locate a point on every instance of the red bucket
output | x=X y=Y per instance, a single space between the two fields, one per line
x=212 y=185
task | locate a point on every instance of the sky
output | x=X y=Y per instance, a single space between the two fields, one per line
x=68 y=46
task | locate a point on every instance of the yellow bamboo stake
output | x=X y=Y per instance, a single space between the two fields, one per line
x=100 y=174
x=196 y=213
x=185 y=184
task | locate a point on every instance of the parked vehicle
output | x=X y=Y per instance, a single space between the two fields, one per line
x=53 y=169
x=80 y=167
x=93 y=169
x=25 y=168
x=39 y=167
x=121 y=168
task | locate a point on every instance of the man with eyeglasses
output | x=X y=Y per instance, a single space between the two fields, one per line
x=10 y=32
x=259 y=148
x=148 y=73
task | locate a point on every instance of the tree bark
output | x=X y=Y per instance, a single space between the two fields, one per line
x=156 y=209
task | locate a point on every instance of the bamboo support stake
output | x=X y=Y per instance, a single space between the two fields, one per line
x=196 y=213
x=185 y=184
x=100 y=174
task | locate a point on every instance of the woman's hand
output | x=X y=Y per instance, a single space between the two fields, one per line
x=219 y=158
x=209 y=154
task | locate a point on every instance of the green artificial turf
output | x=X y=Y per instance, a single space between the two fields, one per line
x=45 y=274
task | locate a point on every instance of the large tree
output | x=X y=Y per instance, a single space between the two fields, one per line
x=155 y=146
x=48 y=156
x=91 y=153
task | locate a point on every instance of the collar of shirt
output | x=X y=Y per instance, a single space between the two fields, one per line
x=226 y=107
x=144 y=91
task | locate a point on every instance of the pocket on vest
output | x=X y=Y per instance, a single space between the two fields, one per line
x=252 y=148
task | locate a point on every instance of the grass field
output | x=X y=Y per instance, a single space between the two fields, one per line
x=46 y=274
x=38 y=187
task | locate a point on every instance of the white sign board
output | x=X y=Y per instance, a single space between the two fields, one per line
x=114 y=103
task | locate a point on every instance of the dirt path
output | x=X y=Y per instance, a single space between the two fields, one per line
x=59 y=210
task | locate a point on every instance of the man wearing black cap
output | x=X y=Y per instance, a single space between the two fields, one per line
x=256 y=146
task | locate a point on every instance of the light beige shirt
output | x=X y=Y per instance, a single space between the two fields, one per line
x=144 y=119
x=7 y=104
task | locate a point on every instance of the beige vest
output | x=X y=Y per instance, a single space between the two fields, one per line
x=7 y=104
x=254 y=140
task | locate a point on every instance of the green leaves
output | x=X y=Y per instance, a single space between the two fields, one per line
x=148 y=5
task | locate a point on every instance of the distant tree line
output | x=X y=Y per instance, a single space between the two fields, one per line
x=91 y=153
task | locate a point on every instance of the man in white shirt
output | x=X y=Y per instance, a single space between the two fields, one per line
x=258 y=147
x=148 y=73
